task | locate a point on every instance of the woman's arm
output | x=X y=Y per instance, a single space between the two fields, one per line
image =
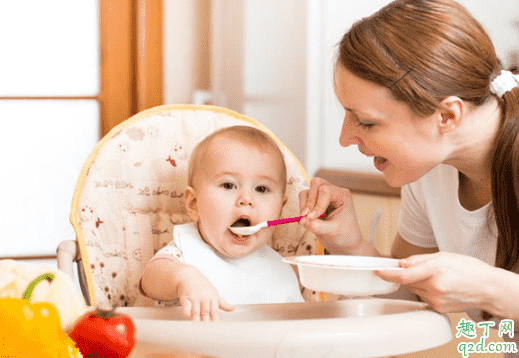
x=402 y=249
x=451 y=282
x=503 y=295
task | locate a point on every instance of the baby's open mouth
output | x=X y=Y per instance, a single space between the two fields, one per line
x=241 y=222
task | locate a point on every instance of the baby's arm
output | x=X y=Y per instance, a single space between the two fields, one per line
x=166 y=278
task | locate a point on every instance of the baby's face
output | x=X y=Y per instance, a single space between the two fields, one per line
x=236 y=181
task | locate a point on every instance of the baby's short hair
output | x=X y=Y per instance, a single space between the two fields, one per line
x=245 y=134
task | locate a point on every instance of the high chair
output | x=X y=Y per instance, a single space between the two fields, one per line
x=127 y=200
x=129 y=196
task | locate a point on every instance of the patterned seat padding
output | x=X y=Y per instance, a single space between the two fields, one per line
x=130 y=195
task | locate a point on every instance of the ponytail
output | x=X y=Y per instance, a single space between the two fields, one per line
x=505 y=183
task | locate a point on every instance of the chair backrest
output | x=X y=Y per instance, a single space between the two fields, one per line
x=129 y=196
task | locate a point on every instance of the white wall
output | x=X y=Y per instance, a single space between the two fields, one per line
x=258 y=61
x=329 y=20
x=501 y=20
x=274 y=69
x=179 y=50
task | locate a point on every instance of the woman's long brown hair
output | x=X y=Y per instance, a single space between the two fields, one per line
x=425 y=51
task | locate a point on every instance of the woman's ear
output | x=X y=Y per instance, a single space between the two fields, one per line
x=452 y=110
x=191 y=203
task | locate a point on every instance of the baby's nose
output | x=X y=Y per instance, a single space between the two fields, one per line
x=245 y=199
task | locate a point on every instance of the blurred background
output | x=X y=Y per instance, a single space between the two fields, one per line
x=71 y=70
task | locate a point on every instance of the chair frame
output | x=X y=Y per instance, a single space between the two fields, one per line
x=69 y=251
x=68 y=254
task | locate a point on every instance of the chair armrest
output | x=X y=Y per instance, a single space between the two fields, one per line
x=67 y=254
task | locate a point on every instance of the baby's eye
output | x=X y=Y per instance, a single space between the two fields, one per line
x=262 y=189
x=228 y=186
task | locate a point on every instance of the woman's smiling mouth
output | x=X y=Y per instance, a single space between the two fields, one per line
x=380 y=160
x=381 y=163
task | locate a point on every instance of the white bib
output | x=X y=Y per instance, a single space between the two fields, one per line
x=260 y=277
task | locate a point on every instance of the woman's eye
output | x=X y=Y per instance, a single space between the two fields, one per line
x=365 y=125
x=262 y=189
x=228 y=186
x=361 y=124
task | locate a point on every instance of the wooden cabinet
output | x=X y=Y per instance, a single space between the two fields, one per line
x=378 y=218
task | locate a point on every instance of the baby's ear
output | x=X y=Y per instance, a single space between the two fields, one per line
x=191 y=203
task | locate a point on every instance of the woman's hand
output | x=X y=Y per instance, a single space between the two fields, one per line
x=199 y=299
x=340 y=231
x=447 y=282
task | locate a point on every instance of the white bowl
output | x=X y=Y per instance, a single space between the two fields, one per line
x=344 y=275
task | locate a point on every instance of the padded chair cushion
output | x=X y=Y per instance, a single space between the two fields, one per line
x=130 y=195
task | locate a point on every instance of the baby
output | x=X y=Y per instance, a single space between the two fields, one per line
x=237 y=177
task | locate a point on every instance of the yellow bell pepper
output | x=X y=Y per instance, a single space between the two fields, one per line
x=33 y=329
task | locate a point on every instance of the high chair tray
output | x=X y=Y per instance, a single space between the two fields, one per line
x=334 y=329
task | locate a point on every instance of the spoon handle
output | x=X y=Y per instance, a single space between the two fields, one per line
x=284 y=221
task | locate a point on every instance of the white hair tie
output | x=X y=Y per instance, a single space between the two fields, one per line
x=506 y=81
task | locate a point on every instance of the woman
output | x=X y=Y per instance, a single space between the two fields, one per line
x=424 y=94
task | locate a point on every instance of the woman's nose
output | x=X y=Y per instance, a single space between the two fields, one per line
x=348 y=133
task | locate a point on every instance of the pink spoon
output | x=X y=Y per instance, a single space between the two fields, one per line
x=249 y=230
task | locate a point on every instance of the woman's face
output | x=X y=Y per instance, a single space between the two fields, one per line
x=404 y=146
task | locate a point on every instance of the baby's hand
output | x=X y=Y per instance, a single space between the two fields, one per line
x=199 y=299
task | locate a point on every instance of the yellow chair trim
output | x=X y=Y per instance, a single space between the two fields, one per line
x=74 y=217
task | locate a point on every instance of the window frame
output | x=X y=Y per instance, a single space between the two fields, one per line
x=131 y=59
x=131 y=66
